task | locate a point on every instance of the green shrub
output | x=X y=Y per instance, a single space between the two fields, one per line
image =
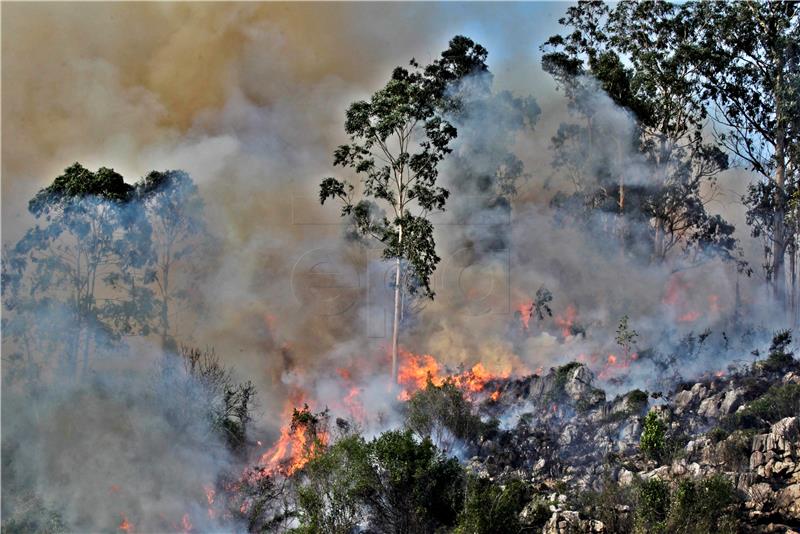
x=735 y=449
x=717 y=434
x=331 y=495
x=605 y=505
x=653 y=440
x=442 y=414
x=638 y=399
x=491 y=508
x=394 y=483
x=652 y=506
x=562 y=374
x=779 y=357
x=778 y=402
x=700 y=507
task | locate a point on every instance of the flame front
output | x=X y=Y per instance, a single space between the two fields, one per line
x=416 y=370
x=125 y=525
x=298 y=443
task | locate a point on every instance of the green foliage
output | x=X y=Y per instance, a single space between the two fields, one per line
x=394 y=482
x=563 y=372
x=442 y=414
x=397 y=140
x=335 y=484
x=640 y=55
x=34 y=517
x=717 y=434
x=228 y=405
x=755 y=47
x=638 y=399
x=96 y=267
x=707 y=505
x=735 y=449
x=779 y=357
x=780 y=400
x=605 y=505
x=415 y=488
x=626 y=336
x=653 y=441
x=490 y=508
x=653 y=502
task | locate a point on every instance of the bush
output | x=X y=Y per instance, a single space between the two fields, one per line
x=336 y=483
x=653 y=440
x=735 y=449
x=779 y=357
x=638 y=399
x=494 y=509
x=778 y=402
x=699 y=507
x=393 y=483
x=442 y=414
x=414 y=489
x=605 y=505
x=653 y=500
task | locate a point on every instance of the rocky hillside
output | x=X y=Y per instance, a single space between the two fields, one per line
x=724 y=450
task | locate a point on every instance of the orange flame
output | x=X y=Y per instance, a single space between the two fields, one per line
x=565 y=321
x=415 y=371
x=210 y=494
x=186 y=524
x=354 y=406
x=297 y=445
x=525 y=311
x=689 y=317
x=125 y=525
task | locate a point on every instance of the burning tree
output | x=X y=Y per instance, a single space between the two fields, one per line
x=397 y=140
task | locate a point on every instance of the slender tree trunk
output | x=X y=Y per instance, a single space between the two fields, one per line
x=397 y=298
x=779 y=238
x=166 y=342
x=793 y=279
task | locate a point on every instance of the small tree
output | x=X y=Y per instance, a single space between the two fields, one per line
x=443 y=415
x=653 y=440
x=397 y=140
x=626 y=336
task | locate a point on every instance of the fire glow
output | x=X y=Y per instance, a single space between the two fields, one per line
x=298 y=443
x=417 y=369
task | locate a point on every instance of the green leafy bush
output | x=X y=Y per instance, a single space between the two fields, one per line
x=653 y=440
x=442 y=414
x=331 y=496
x=653 y=501
x=699 y=507
x=494 y=509
x=393 y=483
x=778 y=402
x=779 y=357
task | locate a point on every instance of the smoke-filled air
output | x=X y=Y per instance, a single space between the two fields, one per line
x=403 y=268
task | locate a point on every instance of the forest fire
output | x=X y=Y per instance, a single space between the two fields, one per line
x=525 y=313
x=186 y=524
x=417 y=370
x=566 y=320
x=616 y=365
x=210 y=494
x=125 y=525
x=298 y=443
